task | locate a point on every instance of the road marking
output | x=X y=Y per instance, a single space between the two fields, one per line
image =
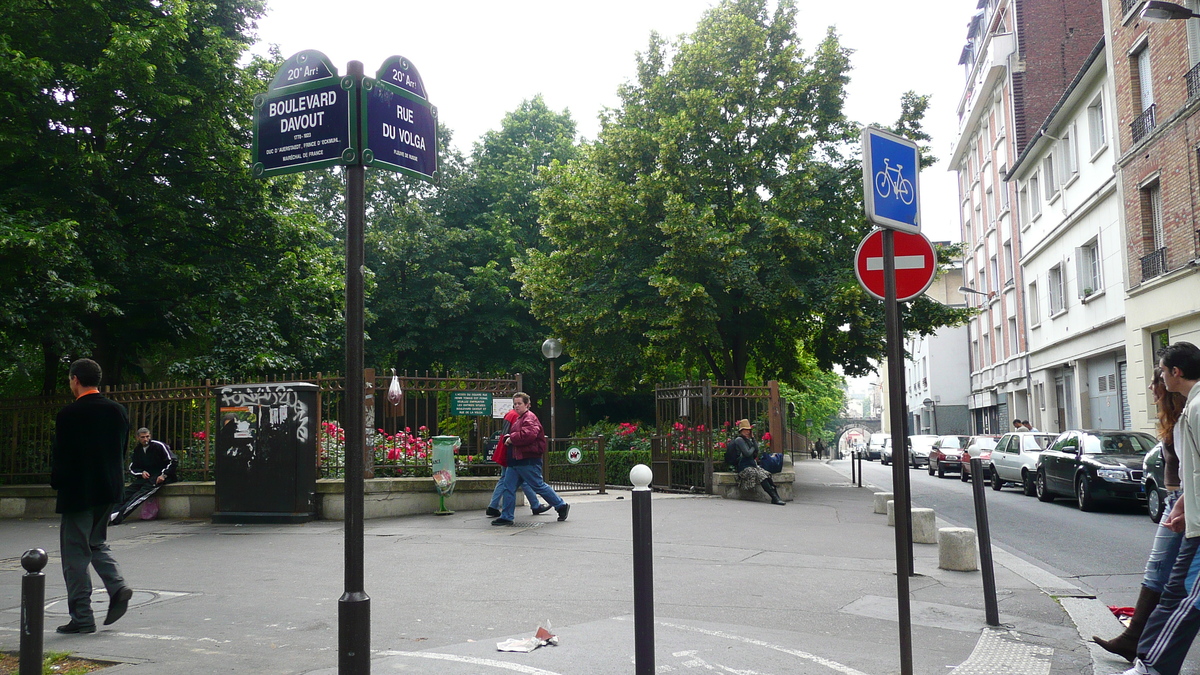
x=516 y=667
x=903 y=262
x=832 y=665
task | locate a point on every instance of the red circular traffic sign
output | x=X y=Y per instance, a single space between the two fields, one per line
x=916 y=264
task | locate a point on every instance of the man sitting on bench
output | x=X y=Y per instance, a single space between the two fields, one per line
x=152 y=466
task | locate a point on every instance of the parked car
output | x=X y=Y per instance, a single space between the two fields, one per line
x=1094 y=465
x=981 y=447
x=919 y=446
x=874 y=447
x=1014 y=460
x=1153 y=482
x=946 y=454
x=885 y=452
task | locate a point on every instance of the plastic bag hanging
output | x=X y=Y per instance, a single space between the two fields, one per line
x=395 y=395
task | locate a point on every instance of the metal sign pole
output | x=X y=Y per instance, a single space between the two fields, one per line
x=354 y=607
x=903 y=503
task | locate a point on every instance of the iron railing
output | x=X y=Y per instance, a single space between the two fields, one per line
x=1193 y=82
x=1128 y=6
x=1143 y=124
x=1154 y=264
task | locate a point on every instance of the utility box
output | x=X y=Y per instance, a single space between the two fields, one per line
x=266 y=453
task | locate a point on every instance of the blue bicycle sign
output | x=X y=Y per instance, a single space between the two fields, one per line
x=890 y=187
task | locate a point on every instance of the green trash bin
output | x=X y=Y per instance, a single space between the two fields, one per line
x=443 y=469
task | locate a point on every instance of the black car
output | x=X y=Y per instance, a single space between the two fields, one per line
x=1152 y=479
x=1094 y=465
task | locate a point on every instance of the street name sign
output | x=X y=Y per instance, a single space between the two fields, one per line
x=399 y=122
x=891 y=167
x=916 y=264
x=303 y=121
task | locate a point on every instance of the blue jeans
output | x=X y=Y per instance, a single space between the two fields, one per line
x=530 y=495
x=532 y=475
x=1164 y=551
x=1173 y=624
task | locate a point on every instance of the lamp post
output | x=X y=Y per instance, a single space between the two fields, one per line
x=1157 y=11
x=552 y=349
x=932 y=405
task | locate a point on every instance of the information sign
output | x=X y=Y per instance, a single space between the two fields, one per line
x=304 y=120
x=400 y=125
x=891 y=166
x=470 y=403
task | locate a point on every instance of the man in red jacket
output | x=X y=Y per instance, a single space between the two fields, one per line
x=526 y=444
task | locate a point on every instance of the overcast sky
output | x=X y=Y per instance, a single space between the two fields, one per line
x=480 y=59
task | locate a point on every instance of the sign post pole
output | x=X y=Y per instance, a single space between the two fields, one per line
x=354 y=607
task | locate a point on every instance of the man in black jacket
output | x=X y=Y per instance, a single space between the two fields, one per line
x=151 y=467
x=90 y=436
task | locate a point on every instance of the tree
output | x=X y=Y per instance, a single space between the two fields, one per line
x=715 y=219
x=124 y=147
x=819 y=397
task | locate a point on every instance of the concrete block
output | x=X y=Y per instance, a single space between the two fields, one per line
x=12 y=507
x=891 y=512
x=924 y=526
x=881 y=500
x=957 y=549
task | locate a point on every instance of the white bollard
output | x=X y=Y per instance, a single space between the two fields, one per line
x=924 y=526
x=891 y=511
x=957 y=549
x=881 y=500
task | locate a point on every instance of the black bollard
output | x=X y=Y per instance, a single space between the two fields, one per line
x=33 y=606
x=643 y=572
x=990 y=607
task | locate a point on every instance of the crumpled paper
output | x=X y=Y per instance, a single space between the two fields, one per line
x=542 y=638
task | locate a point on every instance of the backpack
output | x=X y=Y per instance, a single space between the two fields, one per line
x=732 y=454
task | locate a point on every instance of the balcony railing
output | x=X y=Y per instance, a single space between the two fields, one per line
x=1142 y=124
x=1154 y=264
x=1128 y=5
x=1193 y=81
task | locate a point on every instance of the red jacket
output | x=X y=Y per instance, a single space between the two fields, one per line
x=526 y=439
x=500 y=454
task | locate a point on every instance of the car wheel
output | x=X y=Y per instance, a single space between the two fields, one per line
x=1043 y=493
x=963 y=475
x=1083 y=494
x=930 y=467
x=1154 y=501
x=1027 y=485
x=996 y=482
x=884 y=461
x=941 y=471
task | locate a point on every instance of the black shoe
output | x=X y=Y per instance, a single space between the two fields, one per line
x=501 y=522
x=117 y=604
x=542 y=509
x=73 y=627
x=492 y=513
x=562 y=512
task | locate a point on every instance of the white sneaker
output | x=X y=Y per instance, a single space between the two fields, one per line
x=1140 y=668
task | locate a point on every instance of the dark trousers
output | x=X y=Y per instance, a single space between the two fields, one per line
x=136 y=493
x=82 y=542
x=1173 y=625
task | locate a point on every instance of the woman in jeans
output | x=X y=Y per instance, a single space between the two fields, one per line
x=1166 y=542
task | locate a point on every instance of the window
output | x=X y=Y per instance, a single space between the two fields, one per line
x=1035 y=197
x=1023 y=203
x=987 y=349
x=1193 y=33
x=1009 y=263
x=995 y=272
x=999 y=342
x=976 y=363
x=1087 y=258
x=1057 y=291
x=1152 y=220
x=1032 y=302
x=1097 y=137
x=1048 y=184
x=1066 y=147
x=1143 y=83
x=1004 y=197
x=1014 y=343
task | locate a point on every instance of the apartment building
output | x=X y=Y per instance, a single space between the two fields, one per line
x=1072 y=259
x=1019 y=59
x=936 y=392
x=1156 y=77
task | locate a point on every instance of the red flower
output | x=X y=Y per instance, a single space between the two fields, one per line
x=766 y=436
x=201 y=435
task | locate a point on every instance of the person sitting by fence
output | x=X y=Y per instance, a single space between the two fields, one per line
x=151 y=467
x=750 y=474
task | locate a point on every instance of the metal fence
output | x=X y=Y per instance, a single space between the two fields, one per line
x=694 y=420
x=184 y=415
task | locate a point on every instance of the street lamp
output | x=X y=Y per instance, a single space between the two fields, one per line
x=932 y=406
x=1157 y=11
x=552 y=349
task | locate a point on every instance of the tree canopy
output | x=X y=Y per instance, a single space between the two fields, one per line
x=714 y=220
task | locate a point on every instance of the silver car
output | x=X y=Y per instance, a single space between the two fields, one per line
x=1014 y=460
x=919 y=446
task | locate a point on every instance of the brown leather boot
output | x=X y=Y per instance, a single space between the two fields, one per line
x=1125 y=644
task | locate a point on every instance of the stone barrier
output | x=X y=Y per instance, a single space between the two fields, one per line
x=957 y=549
x=881 y=500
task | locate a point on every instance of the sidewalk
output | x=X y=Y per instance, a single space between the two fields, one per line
x=739 y=587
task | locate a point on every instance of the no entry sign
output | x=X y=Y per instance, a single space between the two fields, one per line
x=916 y=264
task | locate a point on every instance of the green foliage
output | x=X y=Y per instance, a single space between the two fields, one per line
x=819 y=396
x=713 y=223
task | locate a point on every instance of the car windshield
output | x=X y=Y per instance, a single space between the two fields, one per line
x=922 y=441
x=1036 y=441
x=985 y=443
x=1117 y=444
x=953 y=442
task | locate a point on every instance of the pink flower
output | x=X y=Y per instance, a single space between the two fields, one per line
x=766 y=436
x=200 y=435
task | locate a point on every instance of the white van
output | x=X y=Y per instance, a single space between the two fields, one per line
x=875 y=445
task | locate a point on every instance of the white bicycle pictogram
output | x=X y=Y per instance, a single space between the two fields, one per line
x=888 y=180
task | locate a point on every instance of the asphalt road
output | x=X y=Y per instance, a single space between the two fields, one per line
x=1104 y=551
